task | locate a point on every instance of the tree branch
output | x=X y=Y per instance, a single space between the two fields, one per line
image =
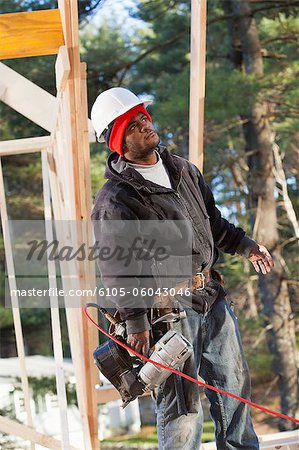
x=149 y=51
x=281 y=179
x=274 y=5
x=289 y=37
x=289 y=241
x=265 y=54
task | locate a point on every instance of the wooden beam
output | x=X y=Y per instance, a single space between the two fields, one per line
x=109 y=393
x=62 y=201
x=27 y=145
x=76 y=104
x=62 y=68
x=14 y=301
x=87 y=268
x=27 y=433
x=28 y=99
x=197 y=81
x=33 y=33
x=55 y=318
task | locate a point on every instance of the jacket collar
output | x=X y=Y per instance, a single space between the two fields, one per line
x=118 y=170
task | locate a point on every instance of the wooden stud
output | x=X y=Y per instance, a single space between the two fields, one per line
x=74 y=103
x=88 y=277
x=73 y=313
x=14 y=300
x=68 y=153
x=197 y=81
x=33 y=33
x=27 y=145
x=18 y=429
x=62 y=188
x=62 y=68
x=55 y=320
x=69 y=17
x=107 y=394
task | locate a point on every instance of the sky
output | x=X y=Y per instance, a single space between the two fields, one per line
x=118 y=10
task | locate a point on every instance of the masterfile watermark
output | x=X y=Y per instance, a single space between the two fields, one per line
x=140 y=249
x=54 y=292
x=127 y=260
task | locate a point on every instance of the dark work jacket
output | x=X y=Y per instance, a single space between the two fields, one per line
x=128 y=196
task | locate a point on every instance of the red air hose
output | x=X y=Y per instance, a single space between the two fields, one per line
x=193 y=380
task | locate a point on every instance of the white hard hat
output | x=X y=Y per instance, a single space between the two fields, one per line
x=111 y=104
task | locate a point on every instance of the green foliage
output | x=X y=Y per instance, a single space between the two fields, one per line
x=7 y=441
x=163 y=71
x=22 y=173
x=223 y=101
x=107 y=52
x=13 y=6
x=6 y=318
x=148 y=435
x=85 y=7
x=98 y=164
x=41 y=71
x=257 y=352
x=171 y=108
x=260 y=364
x=47 y=385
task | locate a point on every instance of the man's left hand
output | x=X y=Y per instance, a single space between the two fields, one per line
x=261 y=259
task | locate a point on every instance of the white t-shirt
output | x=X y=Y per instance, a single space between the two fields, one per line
x=155 y=173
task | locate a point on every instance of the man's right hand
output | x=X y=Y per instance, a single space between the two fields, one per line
x=140 y=342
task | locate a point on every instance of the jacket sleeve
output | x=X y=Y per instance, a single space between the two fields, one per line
x=114 y=229
x=227 y=237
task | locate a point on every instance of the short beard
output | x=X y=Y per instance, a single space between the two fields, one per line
x=140 y=154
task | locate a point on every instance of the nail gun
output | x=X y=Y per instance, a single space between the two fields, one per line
x=130 y=375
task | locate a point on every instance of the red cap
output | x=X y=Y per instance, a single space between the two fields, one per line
x=119 y=127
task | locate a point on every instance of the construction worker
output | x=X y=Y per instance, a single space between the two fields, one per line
x=147 y=182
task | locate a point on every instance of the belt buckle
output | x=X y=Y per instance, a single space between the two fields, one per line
x=199 y=281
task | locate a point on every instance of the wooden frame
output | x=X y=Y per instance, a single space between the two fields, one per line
x=32 y=33
x=65 y=117
x=12 y=427
x=27 y=145
x=66 y=150
x=14 y=300
x=76 y=103
x=28 y=99
x=31 y=100
x=62 y=68
x=54 y=308
x=197 y=81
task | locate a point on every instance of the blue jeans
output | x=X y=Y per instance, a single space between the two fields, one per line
x=219 y=359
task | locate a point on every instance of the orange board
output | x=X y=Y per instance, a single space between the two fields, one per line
x=32 y=33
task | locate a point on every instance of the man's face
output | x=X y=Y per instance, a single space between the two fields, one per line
x=140 y=137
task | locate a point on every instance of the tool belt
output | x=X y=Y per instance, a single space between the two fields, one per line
x=199 y=281
x=168 y=308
